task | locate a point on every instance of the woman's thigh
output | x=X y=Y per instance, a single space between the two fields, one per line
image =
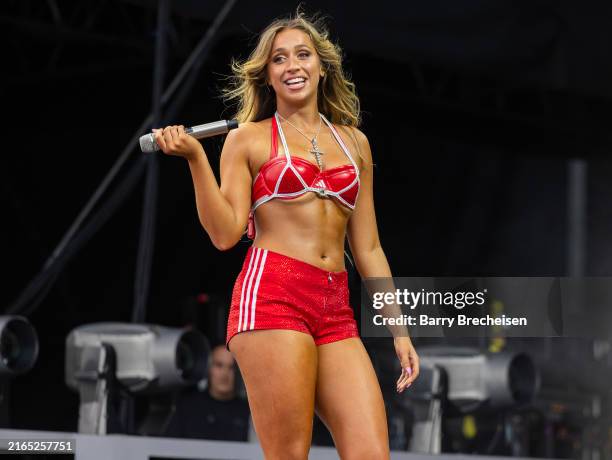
x=279 y=369
x=349 y=401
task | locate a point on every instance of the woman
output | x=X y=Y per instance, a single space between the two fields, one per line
x=300 y=162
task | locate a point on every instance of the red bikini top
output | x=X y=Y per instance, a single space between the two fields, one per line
x=288 y=177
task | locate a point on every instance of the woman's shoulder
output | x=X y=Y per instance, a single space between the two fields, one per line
x=353 y=131
x=266 y=122
x=248 y=139
x=246 y=130
x=358 y=141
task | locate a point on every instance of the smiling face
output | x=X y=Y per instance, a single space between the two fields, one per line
x=294 y=68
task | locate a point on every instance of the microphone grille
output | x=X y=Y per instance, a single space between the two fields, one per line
x=148 y=144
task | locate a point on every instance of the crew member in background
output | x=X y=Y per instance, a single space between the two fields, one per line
x=215 y=412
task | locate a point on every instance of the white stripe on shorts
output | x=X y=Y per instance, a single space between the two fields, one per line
x=244 y=283
x=249 y=290
x=254 y=303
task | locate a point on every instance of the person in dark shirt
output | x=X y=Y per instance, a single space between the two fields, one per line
x=216 y=412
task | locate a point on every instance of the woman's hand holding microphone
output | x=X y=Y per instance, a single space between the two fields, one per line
x=173 y=140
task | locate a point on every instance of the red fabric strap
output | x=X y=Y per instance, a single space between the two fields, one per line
x=274 y=144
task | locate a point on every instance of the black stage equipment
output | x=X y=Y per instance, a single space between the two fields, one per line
x=108 y=362
x=465 y=380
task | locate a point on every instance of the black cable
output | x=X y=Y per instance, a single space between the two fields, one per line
x=146 y=242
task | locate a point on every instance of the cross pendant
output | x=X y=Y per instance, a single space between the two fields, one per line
x=317 y=153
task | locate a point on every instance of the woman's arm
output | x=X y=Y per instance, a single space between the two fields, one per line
x=223 y=210
x=363 y=237
x=371 y=261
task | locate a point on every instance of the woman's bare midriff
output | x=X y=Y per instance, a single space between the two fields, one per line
x=308 y=228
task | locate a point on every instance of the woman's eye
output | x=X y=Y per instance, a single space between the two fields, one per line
x=280 y=58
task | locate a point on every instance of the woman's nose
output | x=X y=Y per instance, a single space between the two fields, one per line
x=293 y=62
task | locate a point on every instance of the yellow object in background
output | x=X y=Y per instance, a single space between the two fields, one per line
x=468 y=428
x=498 y=342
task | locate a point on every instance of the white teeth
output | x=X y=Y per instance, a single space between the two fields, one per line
x=295 y=80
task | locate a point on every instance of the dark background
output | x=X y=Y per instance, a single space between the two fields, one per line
x=473 y=109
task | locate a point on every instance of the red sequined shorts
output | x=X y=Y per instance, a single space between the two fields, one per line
x=274 y=291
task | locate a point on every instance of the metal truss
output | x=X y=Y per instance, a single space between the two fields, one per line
x=53 y=38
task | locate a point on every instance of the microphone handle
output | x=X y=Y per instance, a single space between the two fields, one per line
x=148 y=144
x=211 y=129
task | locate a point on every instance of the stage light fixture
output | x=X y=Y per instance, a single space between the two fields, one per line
x=475 y=379
x=104 y=359
x=18 y=346
x=464 y=380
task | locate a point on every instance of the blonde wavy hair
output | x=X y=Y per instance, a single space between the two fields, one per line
x=336 y=97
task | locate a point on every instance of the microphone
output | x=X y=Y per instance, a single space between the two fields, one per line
x=148 y=144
